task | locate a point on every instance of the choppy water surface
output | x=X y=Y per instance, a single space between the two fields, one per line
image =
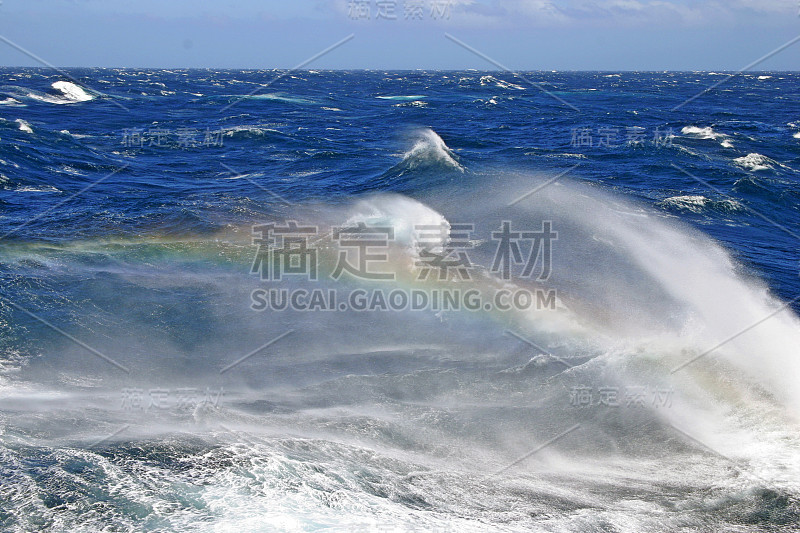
x=150 y=381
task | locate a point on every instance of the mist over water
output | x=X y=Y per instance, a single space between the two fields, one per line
x=652 y=395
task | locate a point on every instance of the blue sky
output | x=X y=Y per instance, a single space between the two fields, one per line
x=404 y=34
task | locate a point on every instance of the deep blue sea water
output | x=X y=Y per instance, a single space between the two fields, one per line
x=141 y=391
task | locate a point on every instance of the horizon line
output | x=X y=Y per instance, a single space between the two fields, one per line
x=363 y=69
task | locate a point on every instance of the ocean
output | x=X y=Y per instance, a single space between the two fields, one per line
x=399 y=301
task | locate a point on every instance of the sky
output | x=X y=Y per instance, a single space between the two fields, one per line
x=403 y=34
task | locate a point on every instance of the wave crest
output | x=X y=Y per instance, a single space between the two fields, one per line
x=430 y=150
x=71 y=91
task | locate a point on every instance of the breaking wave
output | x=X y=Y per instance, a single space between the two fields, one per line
x=72 y=92
x=699 y=203
x=429 y=150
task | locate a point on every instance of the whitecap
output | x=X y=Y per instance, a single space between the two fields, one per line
x=754 y=162
x=277 y=97
x=71 y=170
x=402 y=97
x=486 y=80
x=415 y=103
x=242 y=176
x=430 y=148
x=565 y=154
x=74 y=135
x=44 y=188
x=701 y=133
x=12 y=102
x=698 y=203
x=252 y=129
x=24 y=126
x=71 y=92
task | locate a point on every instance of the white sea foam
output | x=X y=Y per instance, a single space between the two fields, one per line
x=428 y=149
x=74 y=135
x=414 y=103
x=252 y=129
x=698 y=203
x=279 y=97
x=72 y=92
x=24 y=126
x=30 y=188
x=406 y=216
x=491 y=80
x=402 y=97
x=755 y=162
x=701 y=133
x=11 y=102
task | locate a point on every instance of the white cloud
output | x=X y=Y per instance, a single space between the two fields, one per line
x=616 y=12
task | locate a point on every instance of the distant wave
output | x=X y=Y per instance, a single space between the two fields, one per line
x=28 y=188
x=699 y=203
x=68 y=93
x=415 y=103
x=278 y=97
x=400 y=97
x=11 y=102
x=491 y=80
x=249 y=130
x=702 y=133
x=74 y=135
x=755 y=162
x=24 y=126
x=71 y=91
